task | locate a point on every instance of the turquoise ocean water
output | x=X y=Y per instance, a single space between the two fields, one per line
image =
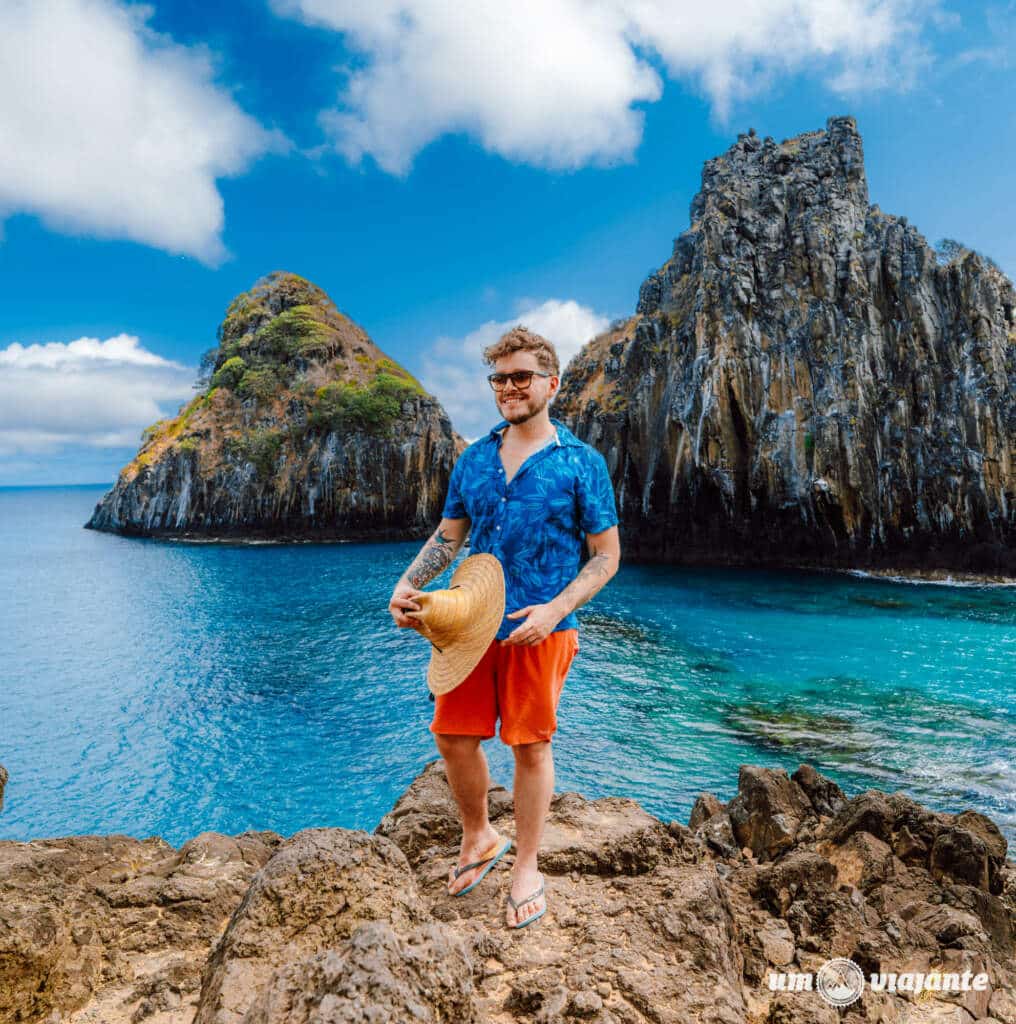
x=155 y=688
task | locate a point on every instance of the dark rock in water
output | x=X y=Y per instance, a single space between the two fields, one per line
x=647 y=921
x=3 y=782
x=709 y=667
x=796 y=729
x=806 y=380
x=889 y=603
x=303 y=429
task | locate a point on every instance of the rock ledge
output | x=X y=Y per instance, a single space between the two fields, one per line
x=648 y=921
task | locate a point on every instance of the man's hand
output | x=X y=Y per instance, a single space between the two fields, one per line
x=404 y=599
x=435 y=556
x=542 y=618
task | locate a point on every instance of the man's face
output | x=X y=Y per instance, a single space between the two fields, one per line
x=518 y=406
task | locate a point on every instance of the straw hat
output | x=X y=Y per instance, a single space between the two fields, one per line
x=461 y=622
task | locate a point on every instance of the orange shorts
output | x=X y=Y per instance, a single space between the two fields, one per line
x=521 y=684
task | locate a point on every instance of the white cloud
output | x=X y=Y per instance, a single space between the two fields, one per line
x=454 y=371
x=996 y=51
x=85 y=393
x=113 y=130
x=556 y=83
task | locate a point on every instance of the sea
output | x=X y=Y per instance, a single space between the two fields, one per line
x=166 y=688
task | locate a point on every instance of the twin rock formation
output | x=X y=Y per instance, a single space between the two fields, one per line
x=805 y=381
x=648 y=922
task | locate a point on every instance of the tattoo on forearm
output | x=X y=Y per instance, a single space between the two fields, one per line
x=594 y=576
x=437 y=554
x=598 y=565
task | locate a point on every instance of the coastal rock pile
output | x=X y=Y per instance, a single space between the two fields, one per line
x=806 y=380
x=648 y=921
x=305 y=429
x=113 y=927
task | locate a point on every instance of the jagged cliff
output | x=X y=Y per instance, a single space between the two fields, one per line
x=806 y=380
x=305 y=429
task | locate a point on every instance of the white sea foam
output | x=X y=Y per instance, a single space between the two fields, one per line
x=948 y=581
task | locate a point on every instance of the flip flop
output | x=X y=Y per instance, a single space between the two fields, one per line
x=522 y=903
x=494 y=857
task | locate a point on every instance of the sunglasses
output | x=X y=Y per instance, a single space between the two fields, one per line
x=520 y=378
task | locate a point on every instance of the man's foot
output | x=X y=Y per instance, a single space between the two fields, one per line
x=470 y=851
x=524 y=883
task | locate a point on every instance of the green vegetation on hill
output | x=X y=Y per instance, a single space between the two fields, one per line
x=302 y=331
x=230 y=373
x=286 y=335
x=373 y=409
x=171 y=428
x=262 y=384
x=272 y=334
x=385 y=365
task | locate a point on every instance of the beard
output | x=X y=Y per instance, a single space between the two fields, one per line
x=526 y=409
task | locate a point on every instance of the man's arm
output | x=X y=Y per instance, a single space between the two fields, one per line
x=437 y=553
x=605 y=557
x=605 y=549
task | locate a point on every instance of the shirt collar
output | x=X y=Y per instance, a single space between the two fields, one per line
x=565 y=438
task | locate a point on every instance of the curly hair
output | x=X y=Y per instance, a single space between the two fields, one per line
x=521 y=339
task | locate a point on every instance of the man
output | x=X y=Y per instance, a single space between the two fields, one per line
x=529 y=492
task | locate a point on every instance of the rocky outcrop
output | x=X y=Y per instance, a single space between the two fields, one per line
x=424 y=975
x=806 y=380
x=648 y=921
x=114 y=927
x=309 y=898
x=303 y=428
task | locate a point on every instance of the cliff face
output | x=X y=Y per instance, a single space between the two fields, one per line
x=807 y=380
x=306 y=429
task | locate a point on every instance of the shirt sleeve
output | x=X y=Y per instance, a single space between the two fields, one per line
x=454 y=507
x=597 y=508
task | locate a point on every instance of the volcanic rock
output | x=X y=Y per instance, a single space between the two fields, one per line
x=806 y=380
x=647 y=920
x=303 y=429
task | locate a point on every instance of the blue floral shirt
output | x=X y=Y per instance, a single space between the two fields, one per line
x=536 y=523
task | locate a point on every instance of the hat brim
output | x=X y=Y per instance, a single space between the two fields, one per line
x=482 y=574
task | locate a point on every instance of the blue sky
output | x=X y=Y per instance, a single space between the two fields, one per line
x=439 y=176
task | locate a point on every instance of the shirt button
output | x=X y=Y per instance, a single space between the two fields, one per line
x=499 y=527
x=504 y=499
